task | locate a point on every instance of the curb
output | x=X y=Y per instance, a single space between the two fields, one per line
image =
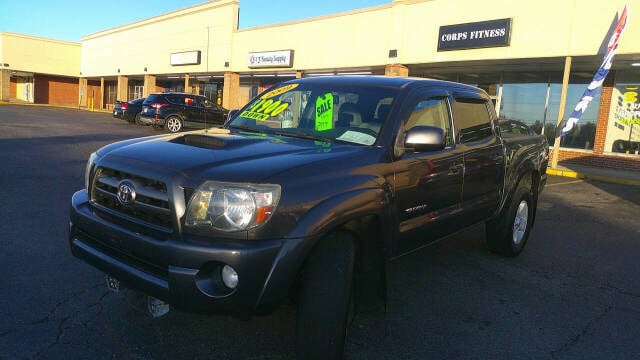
x=583 y=176
x=55 y=106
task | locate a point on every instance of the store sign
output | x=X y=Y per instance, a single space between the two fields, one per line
x=628 y=105
x=185 y=58
x=492 y=33
x=269 y=59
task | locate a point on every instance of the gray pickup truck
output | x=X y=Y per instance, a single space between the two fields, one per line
x=306 y=193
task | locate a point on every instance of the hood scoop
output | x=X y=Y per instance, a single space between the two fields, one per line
x=216 y=139
x=201 y=141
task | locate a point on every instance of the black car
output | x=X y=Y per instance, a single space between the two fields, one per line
x=174 y=111
x=514 y=128
x=129 y=110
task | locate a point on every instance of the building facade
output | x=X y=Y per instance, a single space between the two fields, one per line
x=39 y=70
x=528 y=55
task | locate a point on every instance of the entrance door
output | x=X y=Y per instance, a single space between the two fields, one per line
x=211 y=91
x=138 y=91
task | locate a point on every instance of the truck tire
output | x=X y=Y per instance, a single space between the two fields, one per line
x=508 y=234
x=324 y=299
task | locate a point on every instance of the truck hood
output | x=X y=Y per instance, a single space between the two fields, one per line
x=226 y=156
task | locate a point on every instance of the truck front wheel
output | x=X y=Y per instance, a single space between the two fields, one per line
x=508 y=234
x=324 y=298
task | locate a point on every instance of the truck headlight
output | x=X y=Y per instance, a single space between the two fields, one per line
x=232 y=207
x=88 y=168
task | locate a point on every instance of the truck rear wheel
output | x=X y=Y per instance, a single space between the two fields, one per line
x=324 y=299
x=508 y=234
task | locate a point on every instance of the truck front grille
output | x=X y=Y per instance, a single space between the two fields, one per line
x=145 y=200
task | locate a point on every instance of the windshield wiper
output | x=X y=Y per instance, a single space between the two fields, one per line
x=246 y=128
x=302 y=135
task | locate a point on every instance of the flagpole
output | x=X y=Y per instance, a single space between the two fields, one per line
x=563 y=103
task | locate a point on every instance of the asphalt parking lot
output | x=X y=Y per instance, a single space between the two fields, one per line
x=573 y=294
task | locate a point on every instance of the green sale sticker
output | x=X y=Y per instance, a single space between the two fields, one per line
x=324 y=112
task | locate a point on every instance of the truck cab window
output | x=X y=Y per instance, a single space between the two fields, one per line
x=472 y=120
x=431 y=112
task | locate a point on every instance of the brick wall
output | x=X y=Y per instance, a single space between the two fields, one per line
x=13 y=83
x=622 y=161
x=93 y=89
x=603 y=113
x=54 y=90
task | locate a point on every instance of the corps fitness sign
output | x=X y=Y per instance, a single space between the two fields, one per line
x=267 y=59
x=491 y=33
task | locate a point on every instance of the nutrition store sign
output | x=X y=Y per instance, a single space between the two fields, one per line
x=491 y=33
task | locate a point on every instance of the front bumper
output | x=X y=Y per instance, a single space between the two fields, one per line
x=184 y=272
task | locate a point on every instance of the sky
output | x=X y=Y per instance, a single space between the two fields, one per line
x=72 y=19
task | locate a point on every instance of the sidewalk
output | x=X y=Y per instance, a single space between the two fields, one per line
x=626 y=177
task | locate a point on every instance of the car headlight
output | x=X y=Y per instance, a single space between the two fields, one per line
x=87 y=170
x=232 y=207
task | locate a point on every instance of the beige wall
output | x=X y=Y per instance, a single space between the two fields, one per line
x=354 y=39
x=149 y=43
x=544 y=28
x=39 y=55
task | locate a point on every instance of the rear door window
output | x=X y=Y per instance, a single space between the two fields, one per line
x=472 y=120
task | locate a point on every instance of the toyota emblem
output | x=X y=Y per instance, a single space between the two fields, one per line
x=126 y=192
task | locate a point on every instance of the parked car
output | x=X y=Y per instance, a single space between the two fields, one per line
x=515 y=128
x=129 y=110
x=306 y=193
x=174 y=111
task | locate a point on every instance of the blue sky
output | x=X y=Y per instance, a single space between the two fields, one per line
x=72 y=19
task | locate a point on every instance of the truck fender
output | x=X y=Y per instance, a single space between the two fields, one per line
x=316 y=223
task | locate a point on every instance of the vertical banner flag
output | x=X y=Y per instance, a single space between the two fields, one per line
x=600 y=75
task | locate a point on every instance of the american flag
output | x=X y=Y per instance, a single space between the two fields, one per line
x=600 y=75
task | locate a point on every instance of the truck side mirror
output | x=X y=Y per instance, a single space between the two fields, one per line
x=424 y=138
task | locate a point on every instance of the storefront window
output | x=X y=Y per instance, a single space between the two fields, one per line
x=623 y=131
x=526 y=103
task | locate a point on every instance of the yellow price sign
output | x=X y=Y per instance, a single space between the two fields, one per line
x=278 y=91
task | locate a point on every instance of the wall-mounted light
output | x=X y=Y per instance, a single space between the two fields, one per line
x=118 y=71
x=226 y=64
x=393 y=53
x=6 y=65
x=145 y=69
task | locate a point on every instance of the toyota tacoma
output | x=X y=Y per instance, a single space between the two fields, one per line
x=306 y=193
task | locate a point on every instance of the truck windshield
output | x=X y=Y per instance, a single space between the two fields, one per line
x=340 y=113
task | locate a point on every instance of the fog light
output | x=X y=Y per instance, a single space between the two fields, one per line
x=229 y=277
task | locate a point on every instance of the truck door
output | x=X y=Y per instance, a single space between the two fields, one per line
x=428 y=185
x=483 y=156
